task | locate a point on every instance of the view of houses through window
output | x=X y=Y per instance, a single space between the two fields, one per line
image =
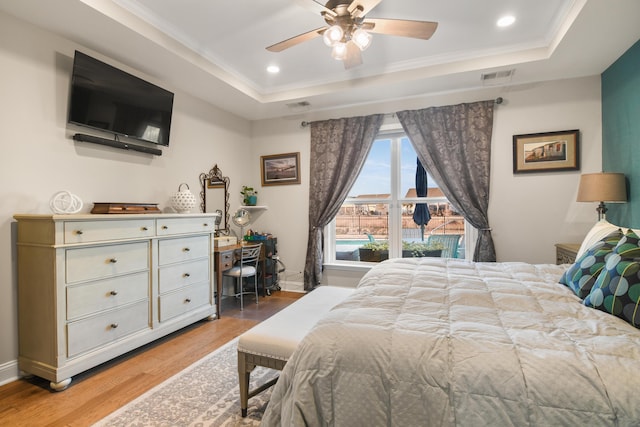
x=379 y=220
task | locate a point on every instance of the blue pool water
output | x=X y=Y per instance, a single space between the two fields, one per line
x=351 y=242
x=349 y=245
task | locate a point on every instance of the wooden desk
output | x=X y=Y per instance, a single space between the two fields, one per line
x=224 y=258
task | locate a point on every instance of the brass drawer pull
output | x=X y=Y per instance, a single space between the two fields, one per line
x=188 y=300
x=164 y=227
x=114 y=325
x=113 y=260
x=206 y=224
x=186 y=249
x=114 y=293
x=79 y=232
x=186 y=275
x=145 y=229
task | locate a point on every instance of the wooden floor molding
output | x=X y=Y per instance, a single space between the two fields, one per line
x=100 y=391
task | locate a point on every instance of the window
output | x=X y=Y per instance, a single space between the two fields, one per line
x=376 y=221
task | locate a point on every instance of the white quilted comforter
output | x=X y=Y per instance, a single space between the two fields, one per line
x=435 y=342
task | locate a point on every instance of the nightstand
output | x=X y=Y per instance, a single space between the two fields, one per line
x=566 y=252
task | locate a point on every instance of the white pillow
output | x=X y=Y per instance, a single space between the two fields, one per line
x=600 y=230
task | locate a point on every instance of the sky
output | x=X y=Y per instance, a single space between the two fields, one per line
x=375 y=177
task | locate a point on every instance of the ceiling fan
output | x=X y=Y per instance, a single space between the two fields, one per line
x=348 y=30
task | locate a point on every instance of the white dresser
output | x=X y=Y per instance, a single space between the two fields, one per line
x=92 y=287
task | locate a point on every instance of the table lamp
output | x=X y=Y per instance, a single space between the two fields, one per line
x=602 y=187
x=241 y=218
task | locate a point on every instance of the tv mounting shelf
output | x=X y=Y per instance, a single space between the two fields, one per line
x=117 y=144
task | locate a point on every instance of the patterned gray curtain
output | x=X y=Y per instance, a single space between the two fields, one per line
x=454 y=144
x=339 y=149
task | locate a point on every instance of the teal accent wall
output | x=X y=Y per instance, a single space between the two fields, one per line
x=621 y=132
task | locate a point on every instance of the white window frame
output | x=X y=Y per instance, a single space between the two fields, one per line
x=394 y=132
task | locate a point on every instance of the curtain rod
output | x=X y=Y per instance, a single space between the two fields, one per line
x=499 y=100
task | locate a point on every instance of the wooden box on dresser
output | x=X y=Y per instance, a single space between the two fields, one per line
x=93 y=287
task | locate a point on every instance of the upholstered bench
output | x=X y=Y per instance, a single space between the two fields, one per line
x=271 y=342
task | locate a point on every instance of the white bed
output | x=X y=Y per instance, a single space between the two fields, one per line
x=444 y=342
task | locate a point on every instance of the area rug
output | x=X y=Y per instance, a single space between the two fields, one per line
x=204 y=394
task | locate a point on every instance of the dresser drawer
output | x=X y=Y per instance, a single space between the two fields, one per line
x=92 y=332
x=98 y=231
x=226 y=260
x=92 y=297
x=185 y=274
x=183 y=300
x=106 y=261
x=169 y=226
x=184 y=249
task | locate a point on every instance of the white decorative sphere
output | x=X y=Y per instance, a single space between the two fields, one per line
x=64 y=202
x=183 y=201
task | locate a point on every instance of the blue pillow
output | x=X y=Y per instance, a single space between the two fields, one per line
x=581 y=276
x=617 y=288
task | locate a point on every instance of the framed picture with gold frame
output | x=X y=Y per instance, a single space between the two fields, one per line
x=546 y=152
x=280 y=169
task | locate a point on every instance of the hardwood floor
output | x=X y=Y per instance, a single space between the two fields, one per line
x=96 y=393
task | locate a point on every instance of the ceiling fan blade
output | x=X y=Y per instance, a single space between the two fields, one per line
x=402 y=27
x=363 y=5
x=354 y=56
x=286 y=44
x=315 y=7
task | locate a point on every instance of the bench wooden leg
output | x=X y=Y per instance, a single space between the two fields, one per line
x=247 y=362
x=244 y=373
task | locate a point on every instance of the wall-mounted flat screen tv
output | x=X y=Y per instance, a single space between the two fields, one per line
x=106 y=98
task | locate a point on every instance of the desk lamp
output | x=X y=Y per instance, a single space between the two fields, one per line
x=602 y=187
x=241 y=218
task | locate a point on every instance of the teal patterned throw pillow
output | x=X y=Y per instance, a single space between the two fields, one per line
x=629 y=246
x=581 y=276
x=617 y=288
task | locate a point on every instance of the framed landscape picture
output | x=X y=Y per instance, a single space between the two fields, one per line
x=280 y=169
x=546 y=152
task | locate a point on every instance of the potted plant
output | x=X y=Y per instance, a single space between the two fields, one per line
x=378 y=251
x=249 y=196
x=421 y=249
x=375 y=251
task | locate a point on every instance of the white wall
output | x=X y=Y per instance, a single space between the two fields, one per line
x=39 y=157
x=288 y=214
x=528 y=213
x=531 y=212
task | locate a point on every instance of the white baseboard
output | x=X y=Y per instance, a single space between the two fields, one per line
x=291 y=286
x=9 y=372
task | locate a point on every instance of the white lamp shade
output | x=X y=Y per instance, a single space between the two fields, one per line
x=339 y=51
x=602 y=187
x=333 y=35
x=361 y=38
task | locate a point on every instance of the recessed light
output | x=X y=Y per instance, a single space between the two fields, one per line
x=505 y=21
x=273 y=69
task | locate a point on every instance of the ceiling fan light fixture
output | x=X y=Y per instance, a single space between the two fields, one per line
x=348 y=32
x=361 y=38
x=339 y=51
x=333 y=35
